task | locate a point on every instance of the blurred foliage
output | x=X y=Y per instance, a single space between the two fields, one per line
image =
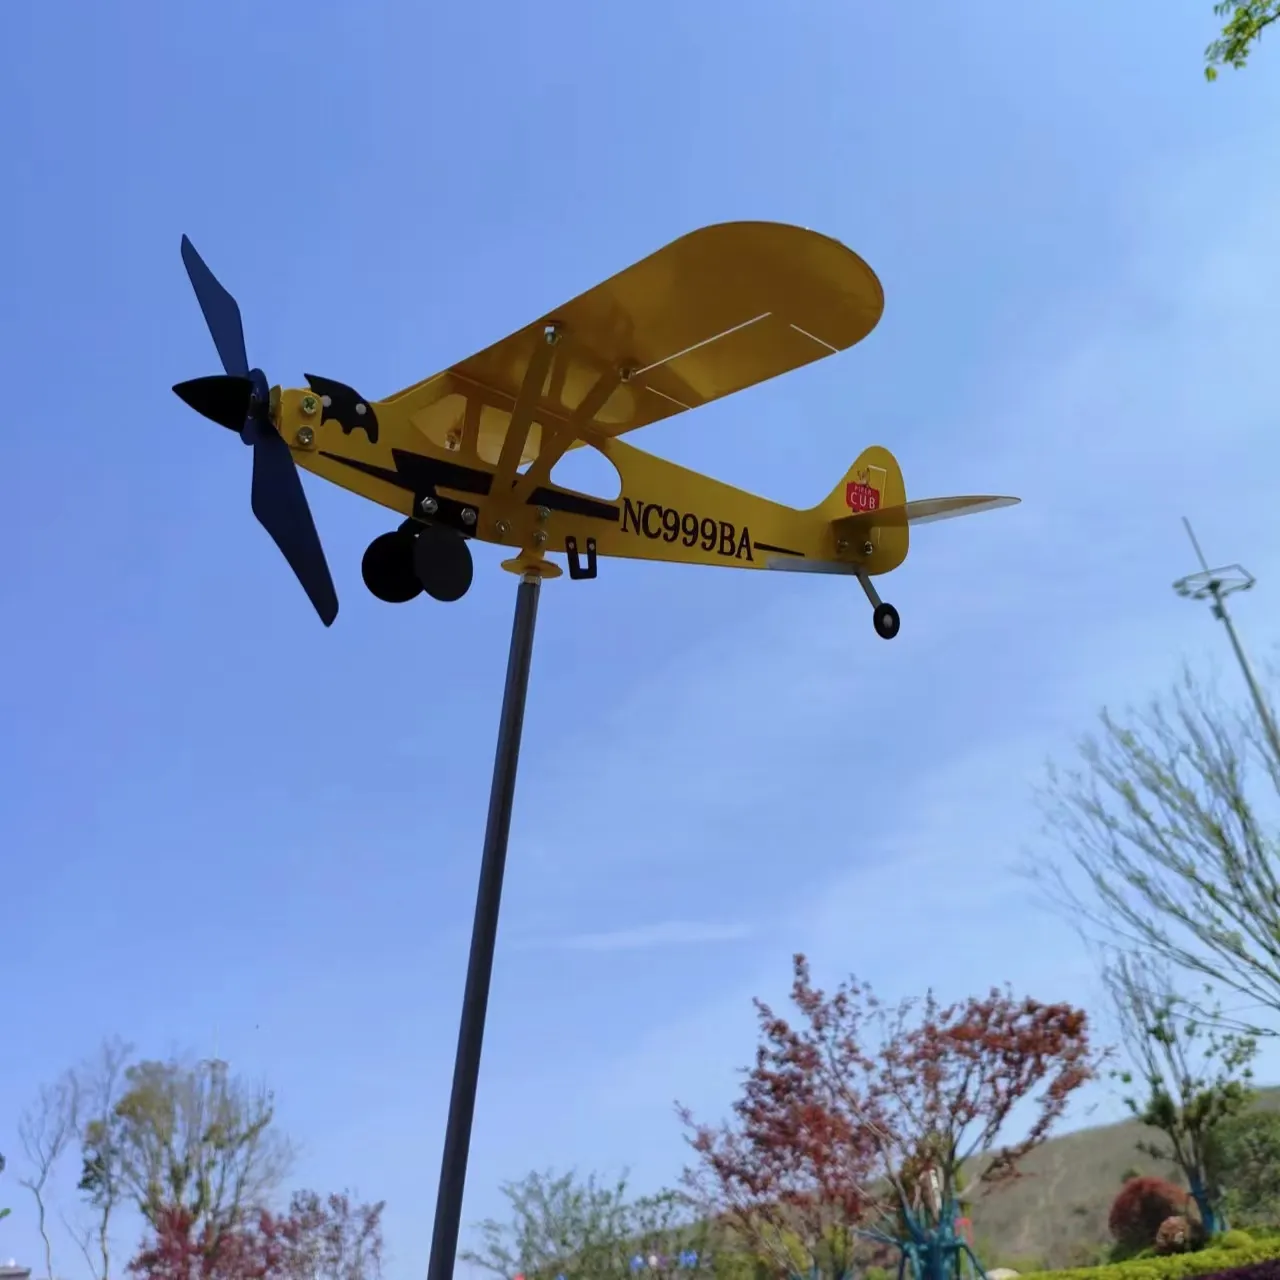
x=1244 y=25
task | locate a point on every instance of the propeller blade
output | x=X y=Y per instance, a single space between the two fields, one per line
x=280 y=504
x=221 y=398
x=221 y=313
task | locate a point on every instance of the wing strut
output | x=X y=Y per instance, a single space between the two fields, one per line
x=535 y=377
x=557 y=441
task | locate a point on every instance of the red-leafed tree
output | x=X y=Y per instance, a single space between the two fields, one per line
x=316 y=1239
x=795 y=1170
x=861 y=1115
x=1142 y=1206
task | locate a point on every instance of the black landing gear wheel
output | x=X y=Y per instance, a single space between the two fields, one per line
x=886 y=621
x=884 y=616
x=387 y=568
x=442 y=562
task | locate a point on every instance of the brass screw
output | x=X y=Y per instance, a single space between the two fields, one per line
x=544 y=513
x=503 y=528
x=306 y=437
x=309 y=405
x=539 y=538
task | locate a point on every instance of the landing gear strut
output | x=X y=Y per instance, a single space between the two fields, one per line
x=884 y=616
x=399 y=566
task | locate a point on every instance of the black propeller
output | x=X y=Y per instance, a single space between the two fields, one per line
x=240 y=400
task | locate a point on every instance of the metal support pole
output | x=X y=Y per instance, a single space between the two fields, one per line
x=484 y=933
x=1216 y=585
x=1246 y=669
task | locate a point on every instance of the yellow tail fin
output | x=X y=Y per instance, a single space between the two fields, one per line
x=874 y=481
x=869 y=509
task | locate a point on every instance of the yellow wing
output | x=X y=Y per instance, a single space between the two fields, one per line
x=714 y=312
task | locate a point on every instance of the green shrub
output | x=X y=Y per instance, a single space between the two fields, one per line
x=1234 y=1240
x=1181 y=1266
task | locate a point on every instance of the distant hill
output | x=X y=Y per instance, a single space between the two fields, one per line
x=1056 y=1215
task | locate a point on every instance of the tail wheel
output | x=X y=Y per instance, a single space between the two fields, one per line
x=886 y=621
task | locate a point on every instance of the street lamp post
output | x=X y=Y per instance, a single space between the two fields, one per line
x=1216 y=585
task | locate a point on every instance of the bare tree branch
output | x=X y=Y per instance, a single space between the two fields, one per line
x=101 y=1184
x=1160 y=825
x=45 y=1129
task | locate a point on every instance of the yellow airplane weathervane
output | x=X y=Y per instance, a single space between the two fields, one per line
x=469 y=454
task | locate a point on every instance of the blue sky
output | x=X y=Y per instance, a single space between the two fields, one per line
x=225 y=827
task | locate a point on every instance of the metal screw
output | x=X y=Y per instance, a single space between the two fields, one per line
x=539 y=538
x=309 y=405
x=306 y=437
x=429 y=506
x=327 y=401
x=842 y=544
x=867 y=548
x=468 y=515
x=362 y=409
x=544 y=513
x=503 y=528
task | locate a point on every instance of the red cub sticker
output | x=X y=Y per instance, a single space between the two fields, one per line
x=859 y=494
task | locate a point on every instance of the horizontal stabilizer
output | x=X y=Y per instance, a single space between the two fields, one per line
x=920 y=512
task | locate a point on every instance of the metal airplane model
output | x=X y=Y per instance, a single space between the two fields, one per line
x=469 y=453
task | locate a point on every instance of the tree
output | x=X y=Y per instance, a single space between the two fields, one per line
x=1193 y=1077
x=45 y=1129
x=1172 y=858
x=332 y=1239
x=101 y=1177
x=795 y=1171
x=1244 y=1157
x=1246 y=21
x=862 y=1111
x=316 y=1239
x=561 y=1225
x=667 y=1237
x=192 y=1141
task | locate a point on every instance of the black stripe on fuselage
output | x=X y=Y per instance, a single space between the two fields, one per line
x=421 y=475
